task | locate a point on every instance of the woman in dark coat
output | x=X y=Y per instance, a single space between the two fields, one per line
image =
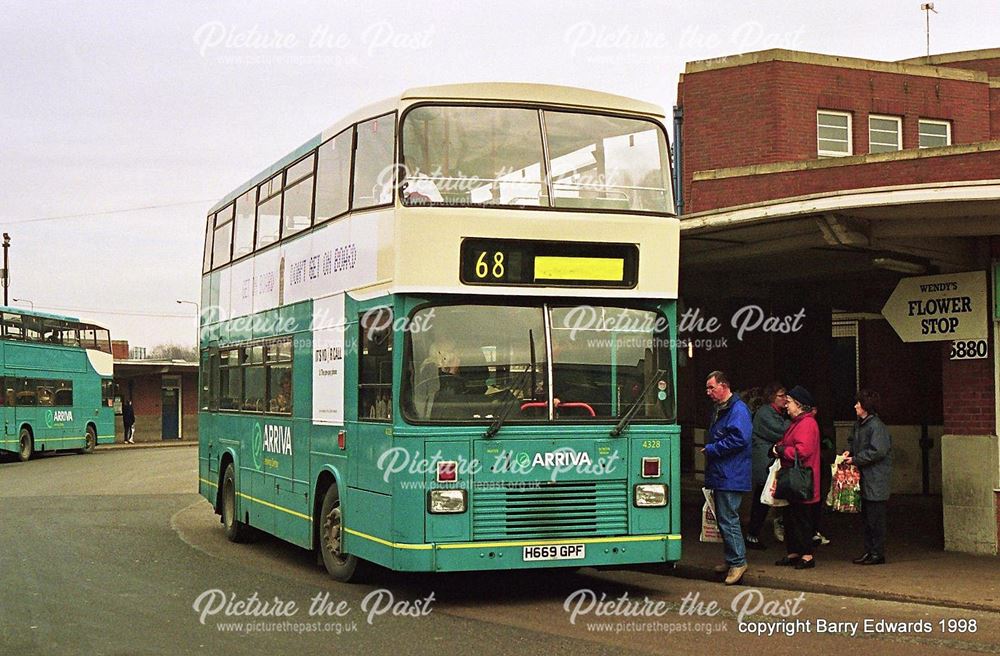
x=870 y=448
x=802 y=438
x=769 y=425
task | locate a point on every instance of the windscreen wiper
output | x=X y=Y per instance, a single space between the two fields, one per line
x=632 y=409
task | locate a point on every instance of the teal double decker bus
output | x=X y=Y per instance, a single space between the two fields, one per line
x=439 y=336
x=57 y=380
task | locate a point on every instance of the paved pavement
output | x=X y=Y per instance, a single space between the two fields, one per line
x=108 y=554
x=918 y=569
x=162 y=444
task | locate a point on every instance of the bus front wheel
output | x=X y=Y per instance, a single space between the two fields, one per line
x=91 y=440
x=27 y=446
x=236 y=531
x=340 y=566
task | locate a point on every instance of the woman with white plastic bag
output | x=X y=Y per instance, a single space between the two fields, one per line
x=767 y=497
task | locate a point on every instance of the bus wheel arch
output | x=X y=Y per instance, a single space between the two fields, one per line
x=340 y=566
x=26 y=443
x=91 y=438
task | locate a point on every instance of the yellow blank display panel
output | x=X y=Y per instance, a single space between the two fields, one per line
x=609 y=269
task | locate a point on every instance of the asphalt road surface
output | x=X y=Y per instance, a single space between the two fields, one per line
x=115 y=553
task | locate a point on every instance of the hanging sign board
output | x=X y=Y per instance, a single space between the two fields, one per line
x=946 y=307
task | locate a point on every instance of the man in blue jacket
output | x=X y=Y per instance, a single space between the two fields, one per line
x=727 y=469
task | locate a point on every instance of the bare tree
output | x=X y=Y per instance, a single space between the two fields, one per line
x=173 y=352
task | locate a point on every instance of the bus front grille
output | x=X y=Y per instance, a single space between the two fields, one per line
x=551 y=510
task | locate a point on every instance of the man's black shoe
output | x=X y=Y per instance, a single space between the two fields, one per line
x=806 y=564
x=874 y=560
x=860 y=560
x=754 y=543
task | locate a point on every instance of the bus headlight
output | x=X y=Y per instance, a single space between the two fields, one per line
x=650 y=495
x=446 y=501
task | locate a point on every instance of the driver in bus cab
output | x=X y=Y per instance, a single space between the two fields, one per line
x=451 y=395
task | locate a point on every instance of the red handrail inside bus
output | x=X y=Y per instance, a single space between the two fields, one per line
x=568 y=404
x=578 y=404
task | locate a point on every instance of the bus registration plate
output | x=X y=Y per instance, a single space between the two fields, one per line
x=555 y=552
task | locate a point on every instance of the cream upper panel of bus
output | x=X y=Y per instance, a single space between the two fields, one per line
x=484 y=92
x=534 y=94
x=428 y=245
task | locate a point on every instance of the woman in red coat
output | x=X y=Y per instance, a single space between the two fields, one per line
x=802 y=438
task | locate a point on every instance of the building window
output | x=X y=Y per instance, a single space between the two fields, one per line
x=934 y=133
x=833 y=134
x=885 y=134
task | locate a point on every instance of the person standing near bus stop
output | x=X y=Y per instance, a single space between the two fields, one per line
x=869 y=447
x=128 y=421
x=727 y=469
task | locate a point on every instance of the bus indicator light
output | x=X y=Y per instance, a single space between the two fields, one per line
x=650 y=467
x=341 y=440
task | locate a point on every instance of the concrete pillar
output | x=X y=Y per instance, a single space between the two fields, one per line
x=970 y=500
x=970 y=453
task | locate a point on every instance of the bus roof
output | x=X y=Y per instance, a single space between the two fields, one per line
x=546 y=94
x=35 y=313
x=512 y=92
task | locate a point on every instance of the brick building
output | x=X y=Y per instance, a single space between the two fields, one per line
x=164 y=395
x=814 y=184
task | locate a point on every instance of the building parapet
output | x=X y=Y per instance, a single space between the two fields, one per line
x=954 y=57
x=816 y=59
x=834 y=162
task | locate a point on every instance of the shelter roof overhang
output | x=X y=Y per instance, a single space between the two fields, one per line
x=927 y=227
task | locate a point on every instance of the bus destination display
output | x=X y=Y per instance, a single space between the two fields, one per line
x=548 y=263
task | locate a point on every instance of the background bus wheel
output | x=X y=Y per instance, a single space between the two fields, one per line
x=340 y=566
x=236 y=531
x=91 y=440
x=27 y=446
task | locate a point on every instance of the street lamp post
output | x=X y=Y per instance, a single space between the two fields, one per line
x=6 y=267
x=22 y=300
x=197 y=323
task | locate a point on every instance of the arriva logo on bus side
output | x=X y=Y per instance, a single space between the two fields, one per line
x=257 y=447
x=278 y=440
x=58 y=417
x=272 y=439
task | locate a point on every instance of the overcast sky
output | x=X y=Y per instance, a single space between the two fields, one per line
x=109 y=107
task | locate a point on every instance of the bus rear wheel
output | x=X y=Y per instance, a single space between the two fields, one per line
x=236 y=531
x=27 y=446
x=341 y=567
x=91 y=441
